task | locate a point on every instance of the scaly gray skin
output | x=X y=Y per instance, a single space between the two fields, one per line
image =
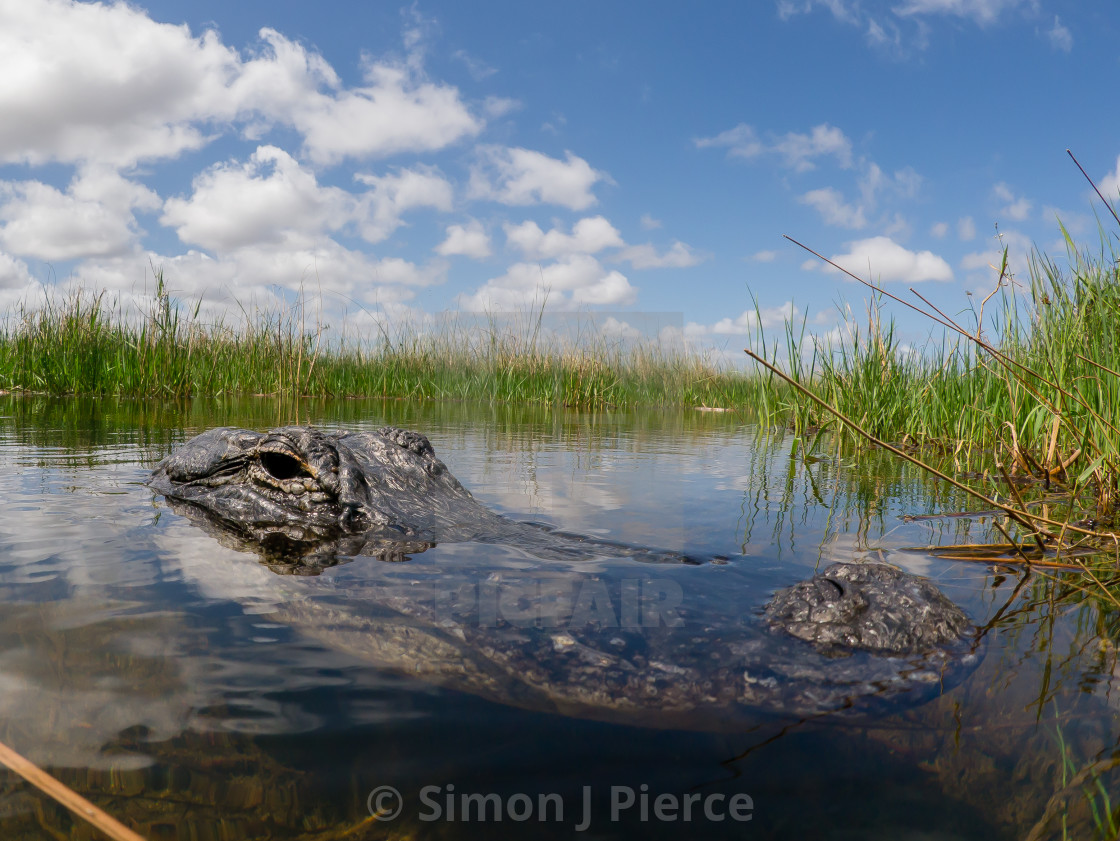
x=301 y=498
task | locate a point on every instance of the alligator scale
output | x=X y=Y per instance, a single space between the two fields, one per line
x=304 y=499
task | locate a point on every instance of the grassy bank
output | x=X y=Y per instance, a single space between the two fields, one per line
x=79 y=347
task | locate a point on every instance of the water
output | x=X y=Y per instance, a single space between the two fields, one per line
x=193 y=693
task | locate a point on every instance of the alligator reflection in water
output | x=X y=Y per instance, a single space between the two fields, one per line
x=303 y=499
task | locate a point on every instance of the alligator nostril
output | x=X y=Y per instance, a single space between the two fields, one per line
x=282 y=466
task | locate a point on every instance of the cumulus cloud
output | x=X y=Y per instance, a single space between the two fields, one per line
x=612 y=328
x=888 y=262
x=272 y=198
x=93 y=217
x=106 y=83
x=872 y=184
x=798 y=151
x=263 y=278
x=1109 y=185
x=269 y=198
x=764 y=256
x=381 y=208
x=939 y=230
x=577 y=279
x=13 y=273
x=646 y=256
x=649 y=223
x=966 y=229
x=589 y=236
x=470 y=240
x=517 y=176
x=748 y=321
x=392 y=113
x=829 y=203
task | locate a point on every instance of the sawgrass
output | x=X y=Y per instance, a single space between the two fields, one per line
x=79 y=346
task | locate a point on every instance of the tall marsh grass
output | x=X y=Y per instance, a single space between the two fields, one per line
x=80 y=346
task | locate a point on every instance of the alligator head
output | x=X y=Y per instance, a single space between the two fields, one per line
x=303 y=498
x=297 y=488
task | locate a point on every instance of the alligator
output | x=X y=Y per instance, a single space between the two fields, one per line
x=854 y=635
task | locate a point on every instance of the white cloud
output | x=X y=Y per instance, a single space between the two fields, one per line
x=840 y=9
x=749 y=320
x=1017 y=208
x=270 y=198
x=881 y=26
x=987 y=262
x=646 y=256
x=94 y=217
x=95 y=82
x=589 y=236
x=392 y=114
x=470 y=240
x=966 y=229
x=741 y=142
x=13 y=272
x=576 y=279
x=904 y=182
x=887 y=262
x=612 y=328
x=764 y=256
x=395 y=111
x=797 y=151
x=1110 y=184
x=829 y=203
x=1060 y=36
x=982 y=12
x=498 y=106
x=649 y=223
x=267 y=278
x=516 y=176
x=393 y=195
x=939 y=230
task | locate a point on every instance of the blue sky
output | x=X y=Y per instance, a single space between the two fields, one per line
x=401 y=161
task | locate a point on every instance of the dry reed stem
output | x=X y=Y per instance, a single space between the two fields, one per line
x=66 y=796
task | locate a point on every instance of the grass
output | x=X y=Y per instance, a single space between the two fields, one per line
x=80 y=347
x=1028 y=395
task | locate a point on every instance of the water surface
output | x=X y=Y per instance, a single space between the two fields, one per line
x=169 y=678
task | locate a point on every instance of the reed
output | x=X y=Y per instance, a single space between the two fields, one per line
x=80 y=346
x=1028 y=394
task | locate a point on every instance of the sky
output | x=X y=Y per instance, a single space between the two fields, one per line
x=394 y=163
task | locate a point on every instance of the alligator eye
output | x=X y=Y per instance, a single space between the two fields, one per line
x=282 y=466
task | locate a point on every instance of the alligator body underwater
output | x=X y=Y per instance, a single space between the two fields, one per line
x=303 y=499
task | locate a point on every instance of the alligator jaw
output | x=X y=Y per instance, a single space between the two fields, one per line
x=279 y=465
